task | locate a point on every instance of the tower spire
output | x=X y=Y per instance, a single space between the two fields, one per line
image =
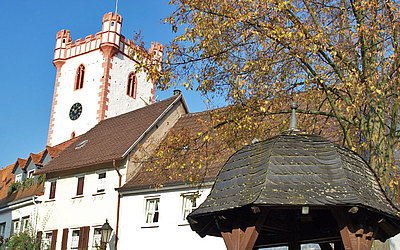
x=293 y=119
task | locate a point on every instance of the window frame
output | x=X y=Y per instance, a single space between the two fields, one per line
x=101 y=182
x=15 y=230
x=72 y=238
x=3 y=229
x=131 y=87
x=18 y=178
x=24 y=224
x=93 y=245
x=185 y=198
x=52 y=192
x=46 y=242
x=80 y=185
x=31 y=173
x=155 y=211
x=79 y=77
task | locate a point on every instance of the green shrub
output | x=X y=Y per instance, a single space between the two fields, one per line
x=28 y=183
x=41 y=179
x=15 y=186
x=22 y=241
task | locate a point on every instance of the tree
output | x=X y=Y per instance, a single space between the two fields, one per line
x=338 y=58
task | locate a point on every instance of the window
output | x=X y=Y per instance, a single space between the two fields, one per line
x=79 y=188
x=75 y=239
x=2 y=229
x=80 y=74
x=151 y=212
x=18 y=178
x=15 y=226
x=52 y=190
x=188 y=204
x=131 y=88
x=96 y=237
x=46 y=241
x=30 y=173
x=101 y=183
x=25 y=224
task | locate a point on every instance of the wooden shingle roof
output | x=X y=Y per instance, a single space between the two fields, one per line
x=296 y=169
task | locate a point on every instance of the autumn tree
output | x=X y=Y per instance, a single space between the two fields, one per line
x=338 y=58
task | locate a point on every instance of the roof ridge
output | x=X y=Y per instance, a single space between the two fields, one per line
x=136 y=110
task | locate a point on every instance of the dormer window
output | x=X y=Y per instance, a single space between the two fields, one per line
x=30 y=173
x=80 y=75
x=18 y=178
x=132 y=85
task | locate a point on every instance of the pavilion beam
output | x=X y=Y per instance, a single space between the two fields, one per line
x=325 y=246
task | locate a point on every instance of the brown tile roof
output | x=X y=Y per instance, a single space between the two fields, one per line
x=153 y=173
x=148 y=177
x=110 y=139
x=6 y=178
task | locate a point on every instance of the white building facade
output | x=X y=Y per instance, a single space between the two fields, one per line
x=156 y=219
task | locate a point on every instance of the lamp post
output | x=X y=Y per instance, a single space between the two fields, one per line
x=106 y=231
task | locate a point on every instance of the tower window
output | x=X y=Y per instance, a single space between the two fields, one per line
x=80 y=75
x=132 y=85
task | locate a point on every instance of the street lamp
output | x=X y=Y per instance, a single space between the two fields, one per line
x=106 y=231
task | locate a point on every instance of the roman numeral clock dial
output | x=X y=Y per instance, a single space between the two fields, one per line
x=75 y=111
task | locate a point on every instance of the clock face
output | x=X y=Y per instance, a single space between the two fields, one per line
x=75 y=111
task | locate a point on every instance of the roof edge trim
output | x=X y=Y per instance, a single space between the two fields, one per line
x=175 y=186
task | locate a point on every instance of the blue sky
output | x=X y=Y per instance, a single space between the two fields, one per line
x=27 y=39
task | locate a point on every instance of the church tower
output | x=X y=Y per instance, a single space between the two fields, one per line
x=95 y=80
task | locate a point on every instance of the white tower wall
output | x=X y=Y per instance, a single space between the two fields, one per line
x=104 y=92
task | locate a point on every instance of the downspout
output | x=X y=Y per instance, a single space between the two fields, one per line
x=118 y=204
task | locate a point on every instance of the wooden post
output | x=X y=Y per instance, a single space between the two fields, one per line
x=359 y=239
x=237 y=239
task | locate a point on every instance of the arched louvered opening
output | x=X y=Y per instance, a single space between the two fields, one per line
x=80 y=75
x=132 y=85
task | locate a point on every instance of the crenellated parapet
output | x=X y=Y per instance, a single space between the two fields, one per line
x=109 y=35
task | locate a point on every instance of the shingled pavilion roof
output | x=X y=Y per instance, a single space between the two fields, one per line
x=291 y=171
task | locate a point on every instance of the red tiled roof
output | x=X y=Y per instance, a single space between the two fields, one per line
x=110 y=139
x=20 y=162
x=6 y=178
x=36 y=158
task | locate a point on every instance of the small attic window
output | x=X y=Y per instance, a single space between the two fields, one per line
x=81 y=144
x=112 y=23
x=64 y=40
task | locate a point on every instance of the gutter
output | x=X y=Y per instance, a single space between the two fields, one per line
x=118 y=204
x=177 y=187
x=152 y=125
x=16 y=204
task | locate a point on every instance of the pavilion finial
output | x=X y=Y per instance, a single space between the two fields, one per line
x=293 y=119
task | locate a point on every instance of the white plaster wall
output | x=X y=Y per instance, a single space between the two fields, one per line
x=18 y=211
x=87 y=96
x=171 y=232
x=119 y=101
x=90 y=210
